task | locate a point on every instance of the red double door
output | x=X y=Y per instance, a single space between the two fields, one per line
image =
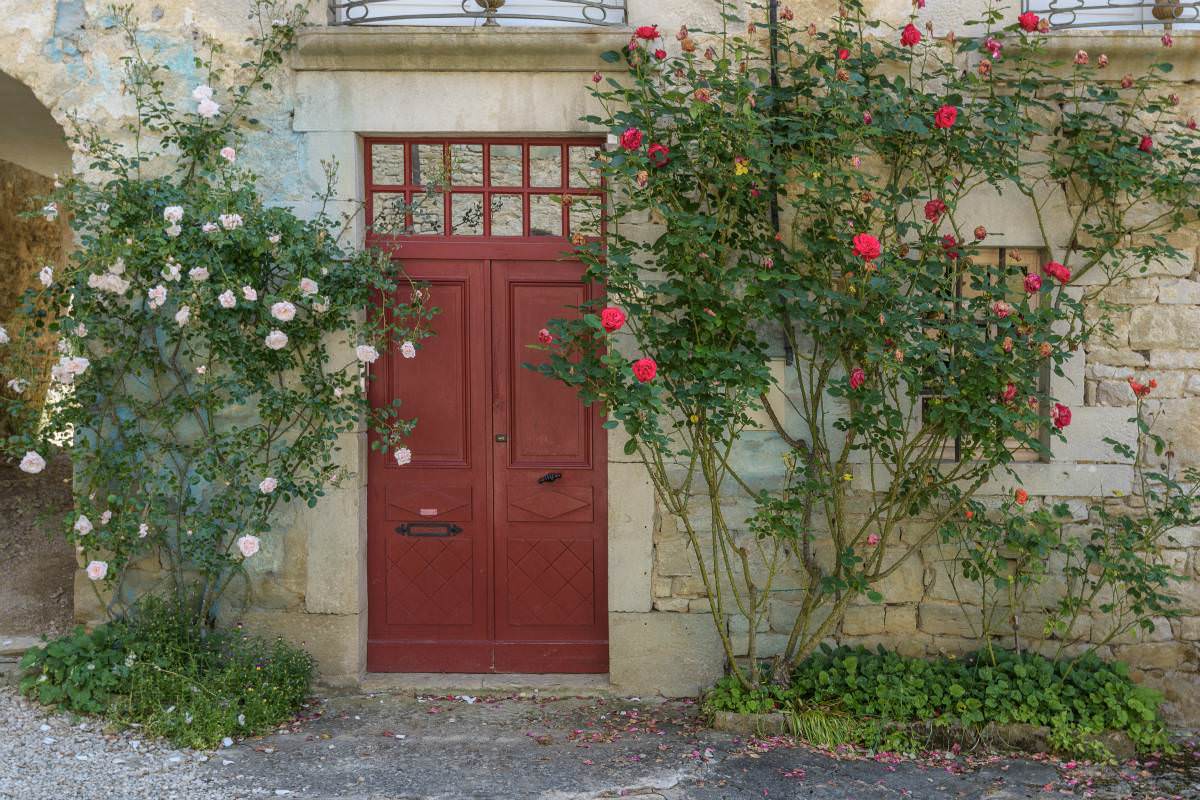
x=488 y=552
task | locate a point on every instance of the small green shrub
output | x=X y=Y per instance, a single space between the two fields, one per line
x=158 y=671
x=1074 y=697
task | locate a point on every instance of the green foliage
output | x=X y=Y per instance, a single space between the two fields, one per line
x=1074 y=697
x=158 y=671
x=213 y=347
x=826 y=194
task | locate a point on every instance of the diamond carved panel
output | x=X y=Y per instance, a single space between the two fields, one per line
x=550 y=582
x=565 y=504
x=430 y=581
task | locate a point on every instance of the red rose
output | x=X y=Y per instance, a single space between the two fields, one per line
x=1033 y=283
x=1021 y=496
x=1141 y=389
x=1029 y=21
x=1001 y=309
x=1060 y=416
x=545 y=337
x=945 y=117
x=950 y=245
x=1057 y=271
x=631 y=139
x=980 y=233
x=647 y=32
x=660 y=54
x=857 y=378
x=843 y=54
x=597 y=77
x=659 y=154
x=910 y=35
x=867 y=247
x=1010 y=393
x=1146 y=144
x=867 y=118
x=612 y=319
x=934 y=209
x=644 y=369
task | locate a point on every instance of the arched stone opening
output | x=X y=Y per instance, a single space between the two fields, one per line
x=36 y=594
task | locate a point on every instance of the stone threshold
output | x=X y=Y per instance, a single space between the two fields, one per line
x=550 y=685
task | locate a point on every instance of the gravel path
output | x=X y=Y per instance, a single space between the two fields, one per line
x=396 y=747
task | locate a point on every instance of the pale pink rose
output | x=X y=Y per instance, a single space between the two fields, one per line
x=4 y=338
x=172 y=270
x=873 y=539
x=105 y=518
x=337 y=392
x=156 y=296
x=17 y=386
x=68 y=368
x=248 y=545
x=268 y=485
x=226 y=299
x=96 y=570
x=408 y=350
x=202 y=92
x=32 y=463
x=308 y=286
x=366 y=353
x=249 y=294
x=208 y=109
x=46 y=276
x=321 y=306
x=173 y=214
x=404 y=456
x=276 y=340
x=283 y=311
x=229 y=154
x=274 y=238
x=183 y=315
x=230 y=221
x=198 y=274
x=209 y=227
x=172 y=231
x=83 y=525
x=201 y=370
x=143 y=531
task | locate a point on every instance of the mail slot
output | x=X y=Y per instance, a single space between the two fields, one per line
x=429 y=530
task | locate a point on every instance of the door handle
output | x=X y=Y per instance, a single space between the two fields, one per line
x=429 y=530
x=550 y=477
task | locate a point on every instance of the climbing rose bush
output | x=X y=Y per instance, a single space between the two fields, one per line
x=212 y=349
x=815 y=347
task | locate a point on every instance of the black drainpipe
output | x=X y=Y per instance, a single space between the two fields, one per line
x=773 y=17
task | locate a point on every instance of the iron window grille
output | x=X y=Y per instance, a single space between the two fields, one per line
x=1116 y=14
x=482 y=13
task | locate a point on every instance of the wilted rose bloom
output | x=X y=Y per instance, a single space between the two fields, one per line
x=268 y=485
x=1126 y=81
x=96 y=570
x=1081 y=57
x=1167 y=41
x=985 y=67
x=83 y=525
x=198 y=274
x=1001 y=309
x=1007 y=344
x=366 y=353
x=403 y=456
x=173 y=214
x=1021 y=496
x=231 y=221
x=106 y=518
x=32 y=462
x=408 y=350
x=208 y=109
x=1102 y=61
x=17 y=386
x=283 y=311
x=108 y=282
x=1173 y=99
x=156 y=296
x=46 y=275
x=249 y=294
x=1045 y=350
x=209 y=227
x=227 y=299
x=247 y=545
x=308 y=286
x=172 y=270
x=276 y=340
x=183 y=315
x=50 y=211
x=980 y=233
x=229 y=154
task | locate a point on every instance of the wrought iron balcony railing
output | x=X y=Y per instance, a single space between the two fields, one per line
x=1116 y=14
x=478 y=12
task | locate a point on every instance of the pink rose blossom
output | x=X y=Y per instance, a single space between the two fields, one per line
x=97 y=570
x=276 y=340
x=32 y=463
x=366 y=353
x=229 y=154
x=283 y=311
x=248 y=545
x=83 y=525
x=268 y=485
x=408 y=350
x=403 y=456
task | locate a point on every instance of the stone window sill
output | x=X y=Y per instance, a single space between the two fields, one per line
x=1132 y=50
x=456 y=49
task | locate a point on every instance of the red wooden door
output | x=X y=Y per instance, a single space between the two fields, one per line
x=488 y=552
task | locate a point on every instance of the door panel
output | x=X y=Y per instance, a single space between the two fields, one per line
x=429 y=546
x=550 y=534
